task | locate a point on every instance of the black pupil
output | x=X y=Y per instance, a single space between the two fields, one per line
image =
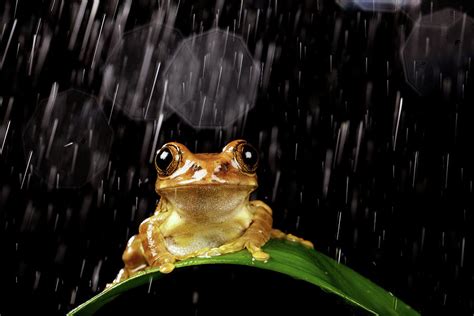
x=164 y=158
x=249 y=156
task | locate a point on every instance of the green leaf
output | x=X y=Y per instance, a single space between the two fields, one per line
x=288 y=258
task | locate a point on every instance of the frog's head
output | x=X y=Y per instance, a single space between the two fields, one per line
x=209 y=185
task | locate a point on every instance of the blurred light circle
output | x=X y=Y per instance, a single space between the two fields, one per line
x=212 y=80
x=67 y=140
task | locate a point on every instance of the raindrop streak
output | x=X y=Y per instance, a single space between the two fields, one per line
x=82 y=267
x=77 y=24
x=275 y=186
x=5 y=137
x=113 y=102
x=327 y=171
x=241 y=60
x=26 y=169
x=397 y=124
x=16 y=7
x=49 y=106
x=95 y=276
x=53 y=132
x=73 y=296
x=339 y=217
x=43 y=51
x=339 y=254
x=447 y=172
x=347 y=189
x=8 y=44
x=422 y=243
x=268 y=65
x=57 y=285
x=145 y=68
x=415 y=166
x=74 y=157
x=195 y=297
x=51 y=8
x=463 y=244
x=360 y=130
x=155 y=139
x=461 y=37
x=37 y=279
x=202 y=109
x=375 y=222
x=341 y=141
x=87 y=34
x=152 y=89
x=160 y=122
x=150 y=282
x=98 y=41
x=146 y=140
x=32 y=56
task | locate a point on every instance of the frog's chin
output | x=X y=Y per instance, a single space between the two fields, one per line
x=207 y=202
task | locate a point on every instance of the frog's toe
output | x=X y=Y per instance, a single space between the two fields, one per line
x=166 y=268
x=164 y=263
x=307 y=243
x=257 y=252
x=122 y=275
x=233 y=246
x=109 y=285
x=212 y=252
x=260 y=255
x=302 y=241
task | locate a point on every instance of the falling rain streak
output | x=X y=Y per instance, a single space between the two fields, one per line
x=360 y=111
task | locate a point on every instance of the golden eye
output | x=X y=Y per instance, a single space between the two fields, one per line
x=247 y=157
x=167 y=160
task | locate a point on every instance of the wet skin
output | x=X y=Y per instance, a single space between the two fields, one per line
x=204 y=210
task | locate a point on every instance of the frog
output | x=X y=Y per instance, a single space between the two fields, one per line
x=204 y=210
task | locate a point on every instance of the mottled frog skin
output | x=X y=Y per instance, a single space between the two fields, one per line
x=204 y=210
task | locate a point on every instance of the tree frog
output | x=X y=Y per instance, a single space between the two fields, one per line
x=204 y=210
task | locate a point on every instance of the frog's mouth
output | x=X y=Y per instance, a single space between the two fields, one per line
x=207 y=202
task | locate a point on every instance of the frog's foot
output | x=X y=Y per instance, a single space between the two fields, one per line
x=256 y=235
x=278 y=234
x=124 y=274
x=239 y=244
x=133 y=258
x=164 y=262
x=256 y=252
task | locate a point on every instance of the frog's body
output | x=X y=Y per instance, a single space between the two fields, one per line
x=204 y=210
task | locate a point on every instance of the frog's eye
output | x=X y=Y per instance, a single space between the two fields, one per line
x=167 y=160
x=247 y=157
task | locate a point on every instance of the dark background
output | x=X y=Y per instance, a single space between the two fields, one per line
x=408 y=229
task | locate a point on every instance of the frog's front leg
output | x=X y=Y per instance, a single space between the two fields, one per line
x=133 y=258
x=256 y=235
x=154 y=246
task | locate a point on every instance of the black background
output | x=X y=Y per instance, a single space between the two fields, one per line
x=407 y=236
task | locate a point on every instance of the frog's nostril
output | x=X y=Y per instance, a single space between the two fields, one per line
x=221 y=167
x=224 y=166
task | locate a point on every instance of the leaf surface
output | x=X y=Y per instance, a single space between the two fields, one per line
x=288 y=258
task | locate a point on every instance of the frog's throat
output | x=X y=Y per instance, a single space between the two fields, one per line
x=187 y=233
x=206 y=203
